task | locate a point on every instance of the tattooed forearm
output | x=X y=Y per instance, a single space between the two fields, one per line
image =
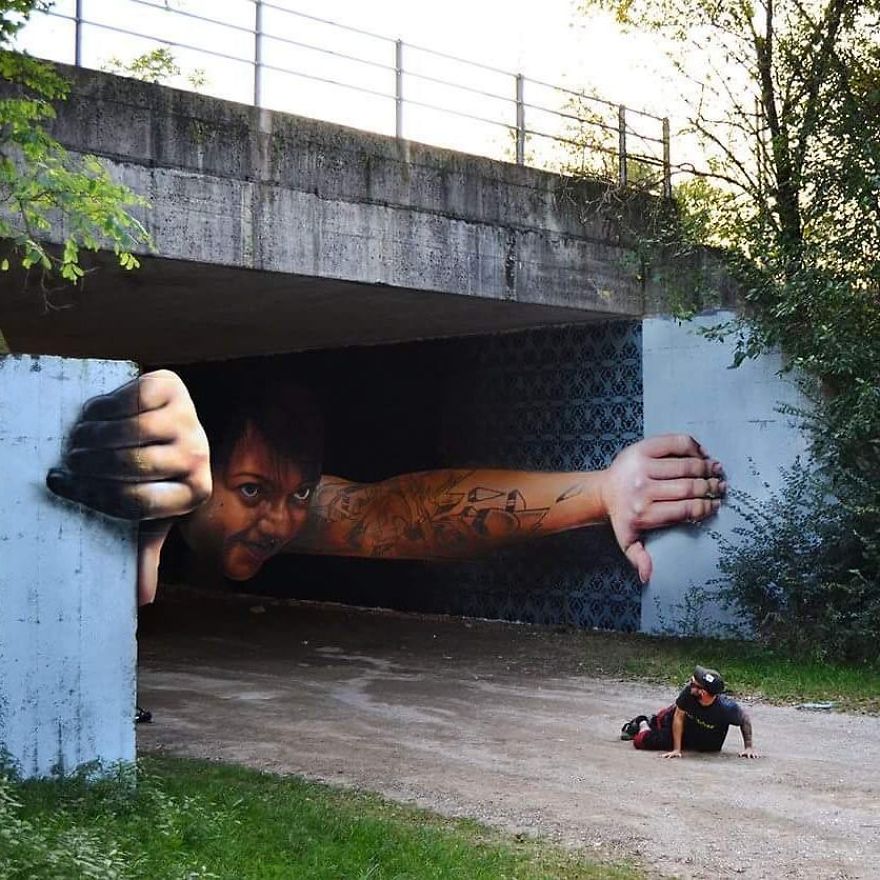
x=437 y=514
x=571 y=492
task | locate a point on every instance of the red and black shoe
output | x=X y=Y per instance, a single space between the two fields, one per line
x=631 y=728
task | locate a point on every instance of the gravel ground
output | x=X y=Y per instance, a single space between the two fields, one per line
x=496 y=722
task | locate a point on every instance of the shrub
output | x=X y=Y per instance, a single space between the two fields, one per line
x=802 y=569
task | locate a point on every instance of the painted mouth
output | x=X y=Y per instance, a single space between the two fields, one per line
x=261 y=550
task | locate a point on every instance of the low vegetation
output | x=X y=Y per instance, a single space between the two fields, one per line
x=751 y=670
x=186 y=820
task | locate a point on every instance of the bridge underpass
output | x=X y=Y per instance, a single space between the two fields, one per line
x=277 y=235
x=322 y=245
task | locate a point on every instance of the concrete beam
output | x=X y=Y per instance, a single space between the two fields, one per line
x=299 y=234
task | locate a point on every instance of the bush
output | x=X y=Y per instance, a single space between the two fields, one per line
x=802 y=570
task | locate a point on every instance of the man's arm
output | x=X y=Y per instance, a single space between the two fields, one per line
x=459 y=514
x=677 y=734
x=746 y=730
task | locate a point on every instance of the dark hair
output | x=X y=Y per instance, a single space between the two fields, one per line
x=284 y=414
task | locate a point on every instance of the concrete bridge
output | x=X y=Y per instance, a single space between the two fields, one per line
x=276 y=233
x=281 y=235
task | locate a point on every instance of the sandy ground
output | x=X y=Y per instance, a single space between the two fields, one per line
x=495 y=722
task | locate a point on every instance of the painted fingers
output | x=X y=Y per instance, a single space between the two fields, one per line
x=662 y=481
x=137 y=453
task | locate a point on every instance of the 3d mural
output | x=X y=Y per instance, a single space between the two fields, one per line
x=520 y=450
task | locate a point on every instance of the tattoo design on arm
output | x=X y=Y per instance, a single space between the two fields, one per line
x=436 y=514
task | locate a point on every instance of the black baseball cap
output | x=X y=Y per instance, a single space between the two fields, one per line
x=709 y=679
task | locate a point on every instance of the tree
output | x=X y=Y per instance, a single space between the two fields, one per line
x=156 y=66
x=785 y=103
x=43 y=186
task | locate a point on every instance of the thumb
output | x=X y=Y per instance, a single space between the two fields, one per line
x=151 y=537
x=640 y=560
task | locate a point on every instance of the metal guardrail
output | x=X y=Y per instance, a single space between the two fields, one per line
x=568 y=131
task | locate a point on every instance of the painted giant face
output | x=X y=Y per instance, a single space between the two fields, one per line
x=258 y=504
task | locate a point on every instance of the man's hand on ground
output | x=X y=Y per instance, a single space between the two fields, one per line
x=749 y=753
x=675 y=753
x=662 y=481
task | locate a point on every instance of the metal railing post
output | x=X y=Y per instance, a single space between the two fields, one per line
x=520 y=120
x=621 y=145
x=667 y=162
x=78 y=28
x=258 y=52
x=398 y=88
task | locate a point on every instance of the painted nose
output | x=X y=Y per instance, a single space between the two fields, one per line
x=277 y=522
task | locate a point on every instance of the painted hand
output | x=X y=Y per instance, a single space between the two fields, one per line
x=138 y=453
x=661 y=481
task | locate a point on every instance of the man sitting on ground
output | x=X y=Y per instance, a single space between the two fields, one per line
x=697 y=721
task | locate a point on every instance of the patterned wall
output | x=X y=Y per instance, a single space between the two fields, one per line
x=561 y=398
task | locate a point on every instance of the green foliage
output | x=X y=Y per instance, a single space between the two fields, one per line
x=188 y=820
x=793 y=570
x=49 y=849
x=788 y=116
x=43 y=186
x=156 y=66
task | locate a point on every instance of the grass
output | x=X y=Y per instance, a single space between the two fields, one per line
x=751 y=670
x=194 y=821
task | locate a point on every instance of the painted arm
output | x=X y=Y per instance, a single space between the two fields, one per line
x=746 y=731
x=677 y=734
x=450 y=514
x=141 y=453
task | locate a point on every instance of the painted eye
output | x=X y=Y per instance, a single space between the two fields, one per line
x=250 y=491
x=303 y=494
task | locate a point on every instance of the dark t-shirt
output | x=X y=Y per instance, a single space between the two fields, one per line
x=705 y=727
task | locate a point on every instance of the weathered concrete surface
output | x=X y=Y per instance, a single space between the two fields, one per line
x=67 y=583
x=498 y=722
x=277 y=233
x=688 y=386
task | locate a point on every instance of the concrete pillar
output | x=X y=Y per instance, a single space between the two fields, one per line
x=67 y=583
x=688 y=386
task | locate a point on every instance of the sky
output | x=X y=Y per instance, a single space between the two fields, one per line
x=548 y=41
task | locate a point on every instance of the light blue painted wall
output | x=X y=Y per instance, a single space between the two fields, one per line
x=688 y=386
x=67 y=583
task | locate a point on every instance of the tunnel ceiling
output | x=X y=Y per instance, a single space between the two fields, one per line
x=173 y=311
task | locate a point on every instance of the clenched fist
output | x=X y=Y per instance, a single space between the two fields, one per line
x=138 y=453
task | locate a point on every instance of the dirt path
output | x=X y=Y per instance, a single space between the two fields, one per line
x=494 y=722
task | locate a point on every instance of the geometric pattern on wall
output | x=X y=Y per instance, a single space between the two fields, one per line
x=561 y=398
